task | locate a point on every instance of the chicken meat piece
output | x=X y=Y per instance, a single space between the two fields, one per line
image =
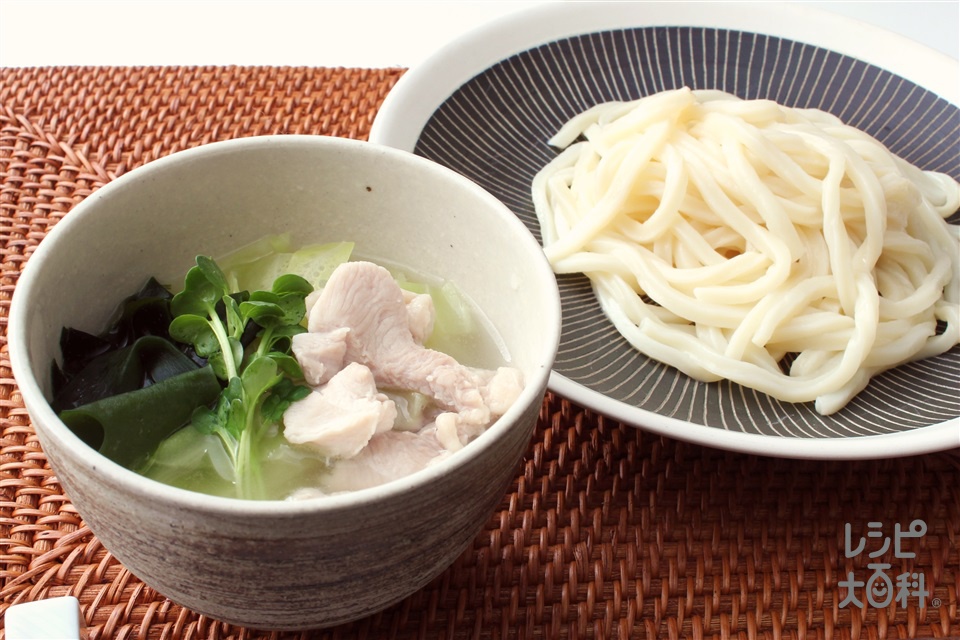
x=502 y=389
x=320 y=354
x=341 y=417
x=364 y=297
x=389 y=456
x=420 y=314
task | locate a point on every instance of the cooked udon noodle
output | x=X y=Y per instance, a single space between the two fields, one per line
x=741 y=239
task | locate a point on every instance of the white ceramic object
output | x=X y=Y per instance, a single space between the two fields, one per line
x=272 y=564
x=487 y=102
x=50 y=619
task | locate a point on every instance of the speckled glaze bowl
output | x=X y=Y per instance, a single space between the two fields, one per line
x=273 y=564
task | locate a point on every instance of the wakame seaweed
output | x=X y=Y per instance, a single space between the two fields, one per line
x=209 y=357
x=146 y=313
x=128 y=428
x=100 y=390
x=150 y=359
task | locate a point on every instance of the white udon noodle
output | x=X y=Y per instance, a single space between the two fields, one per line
x=727 y=237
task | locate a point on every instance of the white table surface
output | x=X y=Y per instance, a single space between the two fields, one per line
x=301 y=32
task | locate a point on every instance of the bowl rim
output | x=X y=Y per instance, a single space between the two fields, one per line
x=421 y=90
x=37 y=404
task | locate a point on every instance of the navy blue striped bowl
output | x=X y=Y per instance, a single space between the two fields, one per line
x=486 y=105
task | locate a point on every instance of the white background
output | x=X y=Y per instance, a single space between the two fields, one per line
x=301 y=32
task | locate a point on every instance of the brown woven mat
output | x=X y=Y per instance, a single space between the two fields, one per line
x=606 y=532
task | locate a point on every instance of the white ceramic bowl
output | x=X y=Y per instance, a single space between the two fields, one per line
x=274 y=564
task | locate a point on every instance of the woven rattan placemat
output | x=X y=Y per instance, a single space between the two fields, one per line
x=607 y=531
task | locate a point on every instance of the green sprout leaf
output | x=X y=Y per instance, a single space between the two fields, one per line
x=259 y=376
x=287 y=365
x=234 y=316
x=205 y=420
x=267 y=314
x=195 y=330
x=213 y=275
x=199 y=295
x=283 y=394
x=291 y=283
x=259 y=383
